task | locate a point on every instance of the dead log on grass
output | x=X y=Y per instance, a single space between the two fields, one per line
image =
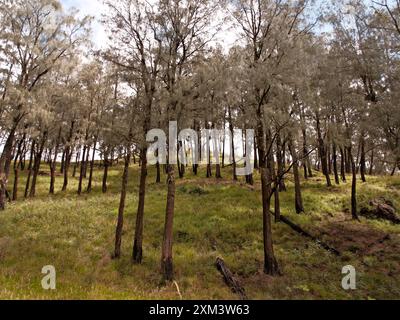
x=306 y=234
x=230 y=280
x=381 y=209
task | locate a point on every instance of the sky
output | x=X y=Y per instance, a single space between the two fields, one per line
x=93 y=8
x=96 y=8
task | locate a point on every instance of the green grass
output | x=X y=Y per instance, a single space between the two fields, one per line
x=76 y=235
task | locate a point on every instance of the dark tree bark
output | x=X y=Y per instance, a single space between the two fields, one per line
x=256 y=166
x=68 y=156
x=62 y=162
x=371 y=163
x=306 y=161
x=30 y=168
x=271 y=266
x=230 y=280
x=335 y=166
x=281 y=162
x=323 y=153
x=105 y=173
x=5 y=163
x=36 y=167
x=354 y=212
x=166 y=257
x=249 y=177
x=277 y=201
x=138 y=240
x=17 y=165
x=298 y=197
x=89 y=187
x=86 y=161
x=82 y=172
x=342 y=164
x=363 y=166
x=120 y=222
x=53 y=163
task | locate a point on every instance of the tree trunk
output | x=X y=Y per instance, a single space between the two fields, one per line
x=323 y=154
x=335 y=166
x=166 y=258
x=270 y=263
x=105 y=173
x=371 y=165
x=5 y=162
x=298 y=197
x=30 y=167
x=363 y=166
x=354 y=212
x=138 y=240
x=36 y=167
x=86 y=162
x=15 y=189
x=281 y=162
x=17 y=163
x=89 y=187
x=120 y=222
x=62 y=162
x=342 y=164
x=68 y=156
x=82 y=172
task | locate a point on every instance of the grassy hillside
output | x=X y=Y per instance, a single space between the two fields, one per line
x=213 y=218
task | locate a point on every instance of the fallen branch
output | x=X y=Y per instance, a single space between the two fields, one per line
x=304 y=233
x=230 y=279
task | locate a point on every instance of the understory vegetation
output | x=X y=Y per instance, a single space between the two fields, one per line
x=214 y=218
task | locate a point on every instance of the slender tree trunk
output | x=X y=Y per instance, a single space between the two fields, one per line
x=89 y=187
x=256 y=166
x=281 y=162
x=166 y=258
x=354 y=212
x=298 y=197
x=5 y=162
x=120 y=222
x=363 y=166
x=138 y=240
x=36 y=167
x=335 y=166
x=105 y=174
x=30 y=168
x=62 y=163
x=342 y=164
x=371 y=165
x=323 y=154
x=53 y=163
x=68 y=156
x=270 y=263
x=82 y=173
x=17 y=164
x=86 y=161
x=277 y=202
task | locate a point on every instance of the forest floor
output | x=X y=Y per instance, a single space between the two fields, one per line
x=213 y=219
